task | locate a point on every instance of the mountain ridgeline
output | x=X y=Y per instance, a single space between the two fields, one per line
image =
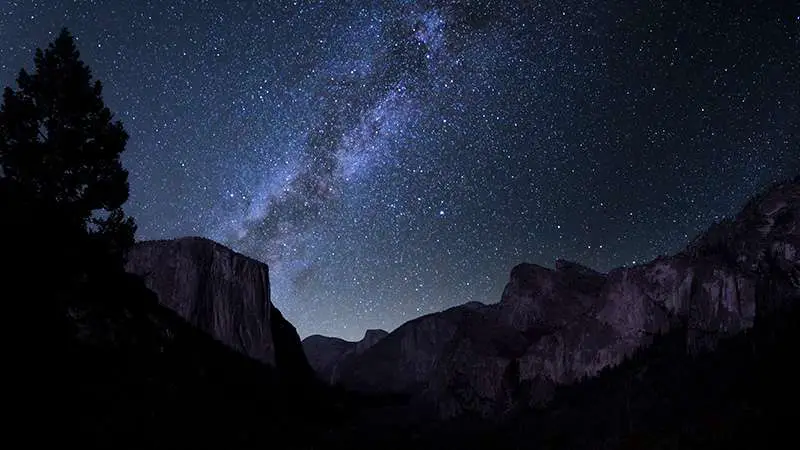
x=681 y=352
x=557 y=327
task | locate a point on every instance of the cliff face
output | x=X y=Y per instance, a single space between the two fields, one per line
x=554 y=326
x=221 y=292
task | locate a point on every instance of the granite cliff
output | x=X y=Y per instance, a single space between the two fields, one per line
x=223 y=293
x=557 y=326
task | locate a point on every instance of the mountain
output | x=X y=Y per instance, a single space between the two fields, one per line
x=327 y=355
x=224 y=294
x=558 y=326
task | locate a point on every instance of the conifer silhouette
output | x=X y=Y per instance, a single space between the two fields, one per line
x=60 y=148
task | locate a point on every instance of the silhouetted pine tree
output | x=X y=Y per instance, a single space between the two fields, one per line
x=60 y=149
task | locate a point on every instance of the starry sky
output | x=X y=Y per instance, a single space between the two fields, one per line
x=389 y=159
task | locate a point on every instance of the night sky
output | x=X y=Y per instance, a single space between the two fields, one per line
x=390 y=159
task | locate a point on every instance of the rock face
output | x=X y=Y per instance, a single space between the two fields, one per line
x=555 y=326
x=328 y=355
x=223 y=293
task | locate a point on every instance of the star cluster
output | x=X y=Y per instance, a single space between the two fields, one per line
x=389 y=159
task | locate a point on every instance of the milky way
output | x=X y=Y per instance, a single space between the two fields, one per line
x=390 y=159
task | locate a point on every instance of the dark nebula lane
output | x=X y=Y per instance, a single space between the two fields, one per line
x=393 y=158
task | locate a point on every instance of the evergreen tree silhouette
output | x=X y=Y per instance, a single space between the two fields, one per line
x=60 y=149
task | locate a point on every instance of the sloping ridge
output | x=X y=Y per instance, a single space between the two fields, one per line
x=557 y=326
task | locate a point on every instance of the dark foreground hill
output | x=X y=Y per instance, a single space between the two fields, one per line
x=133 y=374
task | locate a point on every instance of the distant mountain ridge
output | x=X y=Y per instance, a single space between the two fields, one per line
x=328 y=355
x=557 y=326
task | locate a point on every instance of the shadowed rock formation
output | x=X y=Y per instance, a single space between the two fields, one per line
x=557 y=326
x=223 y=293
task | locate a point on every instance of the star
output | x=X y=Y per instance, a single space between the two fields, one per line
x=409 y=154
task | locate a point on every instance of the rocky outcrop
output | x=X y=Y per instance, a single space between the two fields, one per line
x=556 y=326
x=223 y=293
x=327 y=355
